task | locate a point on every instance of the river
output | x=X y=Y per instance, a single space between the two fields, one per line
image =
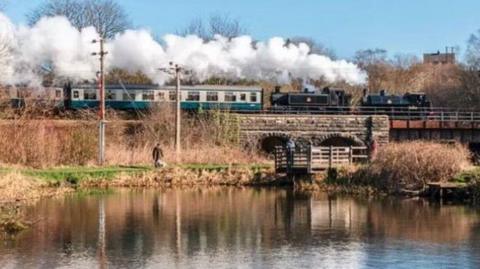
x=243 y=228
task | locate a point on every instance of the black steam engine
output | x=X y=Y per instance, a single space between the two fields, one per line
x=325 y=99
x=383 y=99
x=330 y=99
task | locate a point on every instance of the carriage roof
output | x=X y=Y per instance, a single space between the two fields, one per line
x=157 y=87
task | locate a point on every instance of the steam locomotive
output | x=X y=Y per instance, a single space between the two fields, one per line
x=337 y=99
x=382 y=99
x=311 y=99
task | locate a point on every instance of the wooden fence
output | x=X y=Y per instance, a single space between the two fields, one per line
x=307 y=160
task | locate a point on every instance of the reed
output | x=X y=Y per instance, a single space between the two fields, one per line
x=207 y=137
x=411 y=165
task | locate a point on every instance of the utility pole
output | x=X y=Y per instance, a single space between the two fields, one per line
x=101 y=90
x=177 y=71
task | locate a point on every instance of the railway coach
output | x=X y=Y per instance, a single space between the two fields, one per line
x=132 y=97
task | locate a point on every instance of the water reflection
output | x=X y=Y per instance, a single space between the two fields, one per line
x=244 y=228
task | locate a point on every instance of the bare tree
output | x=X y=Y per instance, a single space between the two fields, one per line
x=195 y=27
x=107 y=16
x=370 y=56
x=217 y=24
x=404 y=61
x=469 y=93
x=315 y=47
x=5 y=46
x=225 y=26
x=473 y=50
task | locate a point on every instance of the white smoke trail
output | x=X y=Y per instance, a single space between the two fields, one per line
x=54 y=41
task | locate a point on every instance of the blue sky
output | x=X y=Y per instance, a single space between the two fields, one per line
x=400 y=26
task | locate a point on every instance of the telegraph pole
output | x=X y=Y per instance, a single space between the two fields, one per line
x=101 y=90
x=177 y=71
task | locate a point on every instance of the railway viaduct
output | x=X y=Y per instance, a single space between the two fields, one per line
x=268 y=130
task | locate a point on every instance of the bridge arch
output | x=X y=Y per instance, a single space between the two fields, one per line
x=338 y=140
x=267 y=142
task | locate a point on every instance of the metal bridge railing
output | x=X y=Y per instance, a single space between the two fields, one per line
x=394 y=113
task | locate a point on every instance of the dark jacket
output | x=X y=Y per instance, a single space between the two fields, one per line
x=157 y=153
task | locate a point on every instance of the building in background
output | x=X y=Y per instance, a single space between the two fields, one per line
x=440 y=58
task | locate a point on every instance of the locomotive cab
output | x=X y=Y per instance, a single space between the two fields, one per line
x=418 y=99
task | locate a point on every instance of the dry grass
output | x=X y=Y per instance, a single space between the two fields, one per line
x=211 y=137
x=15 y=187
x=179 y=177
x=198 y=154
x=45 y=143
x=410 y=165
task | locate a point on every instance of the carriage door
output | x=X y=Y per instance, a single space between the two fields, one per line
x=67 y=95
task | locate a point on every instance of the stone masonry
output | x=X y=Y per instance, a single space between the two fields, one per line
x=361 y=130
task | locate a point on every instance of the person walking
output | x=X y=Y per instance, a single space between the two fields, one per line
x=157 y=154
x=290 y=153
x=373 y=149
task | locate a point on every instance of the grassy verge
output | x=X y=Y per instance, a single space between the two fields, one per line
x=75 y=173
x=78 y=174
x=467 y=176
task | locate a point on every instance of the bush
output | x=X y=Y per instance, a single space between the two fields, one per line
x=410 y=166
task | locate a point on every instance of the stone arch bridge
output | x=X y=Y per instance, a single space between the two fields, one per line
x=268 y=130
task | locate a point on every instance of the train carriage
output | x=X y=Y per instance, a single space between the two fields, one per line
x=132 y=97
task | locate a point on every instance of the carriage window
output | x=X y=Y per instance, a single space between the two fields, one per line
x=172 y=95
x=110 y=95
x=148 y=96
x=128 y=96
x=193 y=96
x=58 y=94
x=76 y=94
x=243 y=97
x=230 y=97
x=90 y=95
x=253 y=97
x=161 y=96
x=212 y=96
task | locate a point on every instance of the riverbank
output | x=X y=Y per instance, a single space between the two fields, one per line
x=20 y=185
x=407 y=169
x=463 y=187
x=397 y=169
x=23 y=186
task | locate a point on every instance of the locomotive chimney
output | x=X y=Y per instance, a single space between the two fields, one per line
x=365 y=92
x=382 y=92
x=277 y=89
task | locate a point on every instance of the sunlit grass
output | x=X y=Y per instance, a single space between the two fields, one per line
x=75 y=174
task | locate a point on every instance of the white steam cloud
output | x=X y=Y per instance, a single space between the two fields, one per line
x=55 y=43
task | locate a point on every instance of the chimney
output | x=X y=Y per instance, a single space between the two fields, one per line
x=365 y=92
x=277 y=89
x=382 y=92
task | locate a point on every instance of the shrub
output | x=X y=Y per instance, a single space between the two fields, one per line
x=79 y=146
x=410 y=166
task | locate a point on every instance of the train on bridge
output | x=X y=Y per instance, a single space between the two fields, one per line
x=233 y=98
